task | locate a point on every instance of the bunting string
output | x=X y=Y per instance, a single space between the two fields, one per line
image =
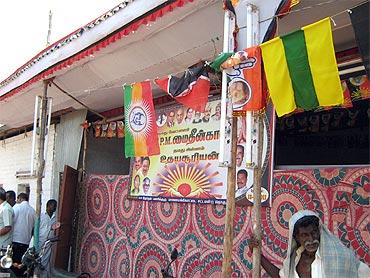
x=107 y=86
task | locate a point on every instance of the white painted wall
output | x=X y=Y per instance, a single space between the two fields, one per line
x=15 y=155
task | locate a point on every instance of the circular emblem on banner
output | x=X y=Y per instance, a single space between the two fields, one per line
x=138 y=119
x=264 y=194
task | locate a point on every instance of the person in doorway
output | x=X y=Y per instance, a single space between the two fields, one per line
x=24 y=220
x=314 y=252
x=48 y=226
x=239 y=155
x=10 y=197
x=241 y=183
x=6 y=221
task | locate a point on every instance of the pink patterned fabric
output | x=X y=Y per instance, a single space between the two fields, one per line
x=128 y=238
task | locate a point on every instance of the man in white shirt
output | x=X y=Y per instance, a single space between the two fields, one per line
x=47 y=221
x=314 y=252
x=24 y=220
x=6 y=220
x=241 y=183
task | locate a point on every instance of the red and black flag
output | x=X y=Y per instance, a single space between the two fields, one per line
x=191 y=89
x=360 y=22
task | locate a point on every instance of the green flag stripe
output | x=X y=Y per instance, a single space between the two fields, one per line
x=299 y=70
x=129 y=139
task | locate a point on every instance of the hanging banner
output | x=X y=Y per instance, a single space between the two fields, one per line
x=114 y=129
x=244 y=172
x=187 y=169
x=244 y=70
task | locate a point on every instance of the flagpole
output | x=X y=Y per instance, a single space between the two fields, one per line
x=227 y=160
x=230 y=206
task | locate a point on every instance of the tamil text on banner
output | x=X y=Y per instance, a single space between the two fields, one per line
x=187 y=169
x=141 y=136
x=301 y=69
x=245 y=87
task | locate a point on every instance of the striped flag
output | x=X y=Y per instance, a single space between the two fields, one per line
x=141 y=135
x=301 y=69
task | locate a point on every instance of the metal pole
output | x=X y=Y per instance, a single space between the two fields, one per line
x=257 y=229
x=40 y=166
x=224 y=156
x=230 y=206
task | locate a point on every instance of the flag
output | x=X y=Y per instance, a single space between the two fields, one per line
x=141 y=136
x=221 y=58
x=301 y=69
x=191 y=89
x=245 y=89
x=360 y=23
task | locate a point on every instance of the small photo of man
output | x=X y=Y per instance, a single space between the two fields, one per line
x=241 y=183
x=146 y=185
x=207 y=114
x=138 y=161
x=145 y=166
x=171 y=118
x=179 y=116
x=239 y=93
x=217 y=115
x=197 y=117
x=239 y=155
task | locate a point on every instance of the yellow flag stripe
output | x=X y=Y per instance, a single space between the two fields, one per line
x=277 y=75
x=140 y=142
x=321 y=57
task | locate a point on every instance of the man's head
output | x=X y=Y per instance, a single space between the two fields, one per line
x=179 y=115
x=10 y=197
x=145 y=166
x=138 y=162
x=2 y=195
x=207 y=112
x=137 y=182
x=238 y=92
x=22 y=197
x=241 y=178
x=218 y=109
x=307 y=233
x=170 y=118
x=239 y=155
x=146 y=185
x=51 y=206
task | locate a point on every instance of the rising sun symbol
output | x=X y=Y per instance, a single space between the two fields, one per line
x=191 y=180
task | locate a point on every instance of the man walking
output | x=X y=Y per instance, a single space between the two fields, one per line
x=24 y=220
x=47 y=228
x=6 y=221
x=10 y=197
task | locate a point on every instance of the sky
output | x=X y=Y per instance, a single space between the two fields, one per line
x=24 y=26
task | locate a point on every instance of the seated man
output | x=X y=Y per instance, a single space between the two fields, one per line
x=314 y=252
